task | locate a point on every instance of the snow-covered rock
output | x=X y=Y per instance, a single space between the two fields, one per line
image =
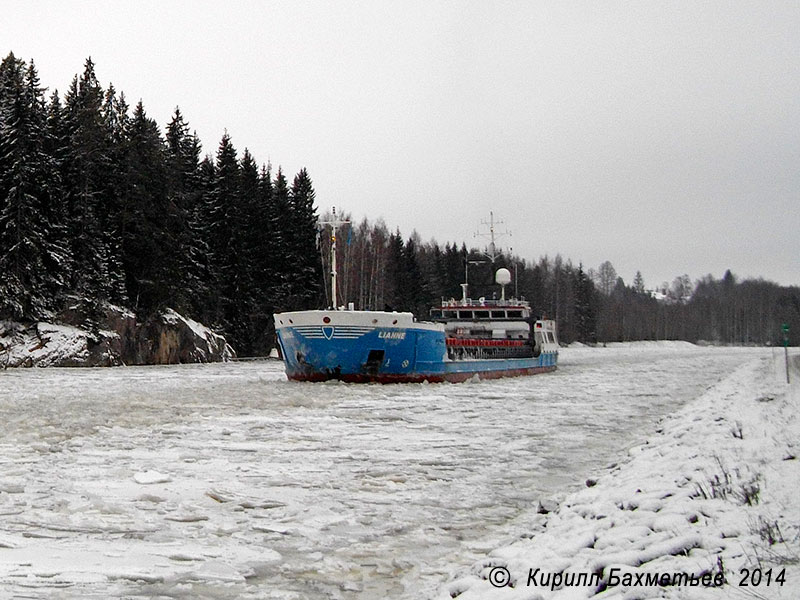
x=116 y=339
x=48 y=344
x=171 y=338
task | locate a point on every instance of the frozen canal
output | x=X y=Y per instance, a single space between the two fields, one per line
x=227 y=481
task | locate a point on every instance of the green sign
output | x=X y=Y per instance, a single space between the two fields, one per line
x=785 y=328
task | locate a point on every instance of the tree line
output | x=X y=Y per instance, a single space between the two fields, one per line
x=726 y=310
x=379 y=269
x=97 y=206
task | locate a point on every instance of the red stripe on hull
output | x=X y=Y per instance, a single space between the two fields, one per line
x=419 y=378
x=484 y=343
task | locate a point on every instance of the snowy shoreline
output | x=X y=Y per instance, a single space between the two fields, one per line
x=712 y=492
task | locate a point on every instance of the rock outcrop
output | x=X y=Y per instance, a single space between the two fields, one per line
x=117 y=338
x=171 y=338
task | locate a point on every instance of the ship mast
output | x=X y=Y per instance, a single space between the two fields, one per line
x=491 y=252
x=334 y=223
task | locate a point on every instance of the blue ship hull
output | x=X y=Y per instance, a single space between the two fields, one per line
x=366 y=350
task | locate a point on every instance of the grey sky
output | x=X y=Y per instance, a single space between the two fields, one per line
x=664 y=137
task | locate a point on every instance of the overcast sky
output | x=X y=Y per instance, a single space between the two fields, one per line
x=662 y=136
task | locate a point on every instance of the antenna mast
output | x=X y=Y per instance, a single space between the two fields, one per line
x=334 y=223
x=492 y=253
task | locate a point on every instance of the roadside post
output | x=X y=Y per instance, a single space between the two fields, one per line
x=785 y=329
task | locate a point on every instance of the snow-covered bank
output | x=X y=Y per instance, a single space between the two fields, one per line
x=166 y=338
x=714 y=491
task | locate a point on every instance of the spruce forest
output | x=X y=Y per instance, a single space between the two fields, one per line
x=98 y=206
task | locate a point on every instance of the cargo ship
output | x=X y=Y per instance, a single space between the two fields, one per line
x=463 y=339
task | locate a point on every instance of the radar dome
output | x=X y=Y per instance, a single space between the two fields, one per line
x=502 y=277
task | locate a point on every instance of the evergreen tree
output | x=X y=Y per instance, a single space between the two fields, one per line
x=283 y=256
x=266 y=252
x=454 y=270
x=535 y=288
x=585 y=307
x=638 y=283
x=222 y=238
x=395 y=273
x=146 y=222
x=306 y=272
x=114 y=185
x=431 y=261
x=31 y=260
x=56 y=145
x=117 y=122
x=246 y=239
x=205 y=301
x=414 y=292
x=96 y=274
x=183 y=194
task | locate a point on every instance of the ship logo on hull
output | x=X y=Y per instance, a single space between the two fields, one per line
x=327 y=332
